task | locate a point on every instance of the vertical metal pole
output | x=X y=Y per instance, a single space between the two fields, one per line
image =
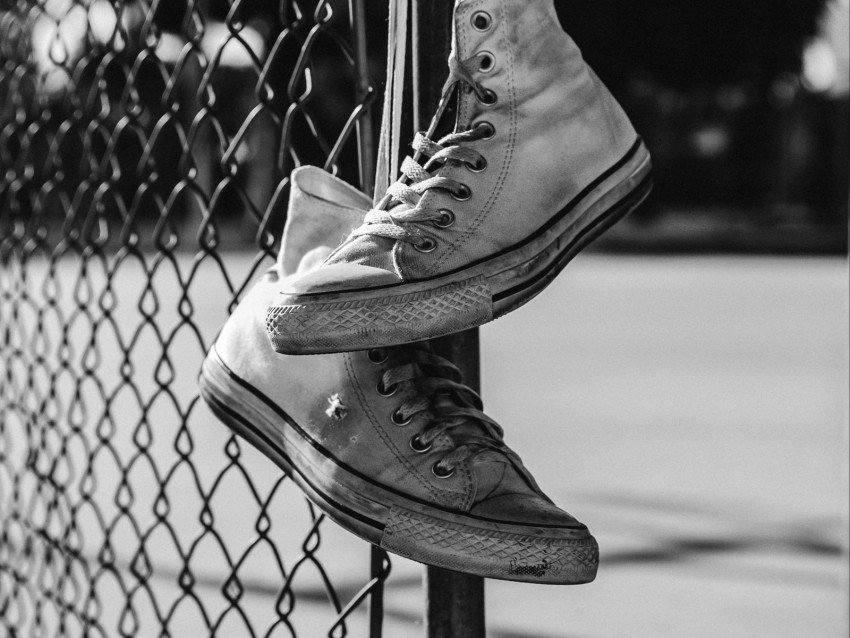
x=454 y=605
x=366 y=160
x=376 y=597
x=365 y=138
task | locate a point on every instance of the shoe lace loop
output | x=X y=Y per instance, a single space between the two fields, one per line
x=446 y=406
x=398 y=215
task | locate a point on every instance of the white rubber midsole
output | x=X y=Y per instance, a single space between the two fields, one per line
x=417 y=530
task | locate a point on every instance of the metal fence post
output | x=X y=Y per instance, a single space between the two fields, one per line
x=378 y=560
x=454 y=604
x=365 y=142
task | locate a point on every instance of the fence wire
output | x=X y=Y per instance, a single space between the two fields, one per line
x=141 y=141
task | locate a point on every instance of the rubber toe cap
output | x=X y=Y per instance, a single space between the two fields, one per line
x=341 y=277
x=525 y=509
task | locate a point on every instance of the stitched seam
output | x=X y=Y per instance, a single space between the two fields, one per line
x=462 y=30
x=469 y=487
x=349 y=368
x=397 y=255
x=484 y=497
x=509 y=152
x=435 y=493
x=467 y=497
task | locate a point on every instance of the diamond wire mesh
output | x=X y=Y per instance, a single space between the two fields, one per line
x=141 y=141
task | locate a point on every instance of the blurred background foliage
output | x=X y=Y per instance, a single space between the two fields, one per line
x=744 y=105
x=745 y=108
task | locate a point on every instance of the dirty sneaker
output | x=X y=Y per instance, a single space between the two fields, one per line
x=388 y=442
x=542 y=160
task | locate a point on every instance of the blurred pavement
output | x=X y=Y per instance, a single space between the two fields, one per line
x=692 y=411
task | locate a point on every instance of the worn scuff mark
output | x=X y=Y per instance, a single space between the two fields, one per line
x=336 y=408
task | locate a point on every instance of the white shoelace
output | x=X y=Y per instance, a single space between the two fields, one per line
x=442 y=404
x=397 y=215
x=389 y=141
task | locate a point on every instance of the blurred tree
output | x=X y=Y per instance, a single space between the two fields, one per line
x=694 y=43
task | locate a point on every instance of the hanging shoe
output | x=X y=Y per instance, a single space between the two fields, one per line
x=388 y=442
x=541 y=162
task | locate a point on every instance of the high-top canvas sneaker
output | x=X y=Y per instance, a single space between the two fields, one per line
x=388 y=442
x=541 y=162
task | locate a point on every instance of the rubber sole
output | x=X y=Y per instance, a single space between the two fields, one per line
x=414 y=311
x=383 y=516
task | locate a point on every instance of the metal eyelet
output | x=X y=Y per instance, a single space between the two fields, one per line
x=378 y=356
x=399 y=420
x=479 y=166
x=441 y=472
x=488 y=99
x=463 y=193
x=426 y=245
x=486 y=62
x=447 y=218
x=489 y=128
x=417 y=446
x=386 y=392
x=481 y=21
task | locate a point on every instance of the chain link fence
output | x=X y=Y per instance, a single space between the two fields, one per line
x=141 y=143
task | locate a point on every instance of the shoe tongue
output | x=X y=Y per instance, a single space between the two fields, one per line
x=312 y=259
x=463 y=431
x=367 y=250
x=496 y=476
x=494 y=472
x=323 y=210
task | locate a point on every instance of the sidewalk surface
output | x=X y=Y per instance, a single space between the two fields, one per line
x=691 y=411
